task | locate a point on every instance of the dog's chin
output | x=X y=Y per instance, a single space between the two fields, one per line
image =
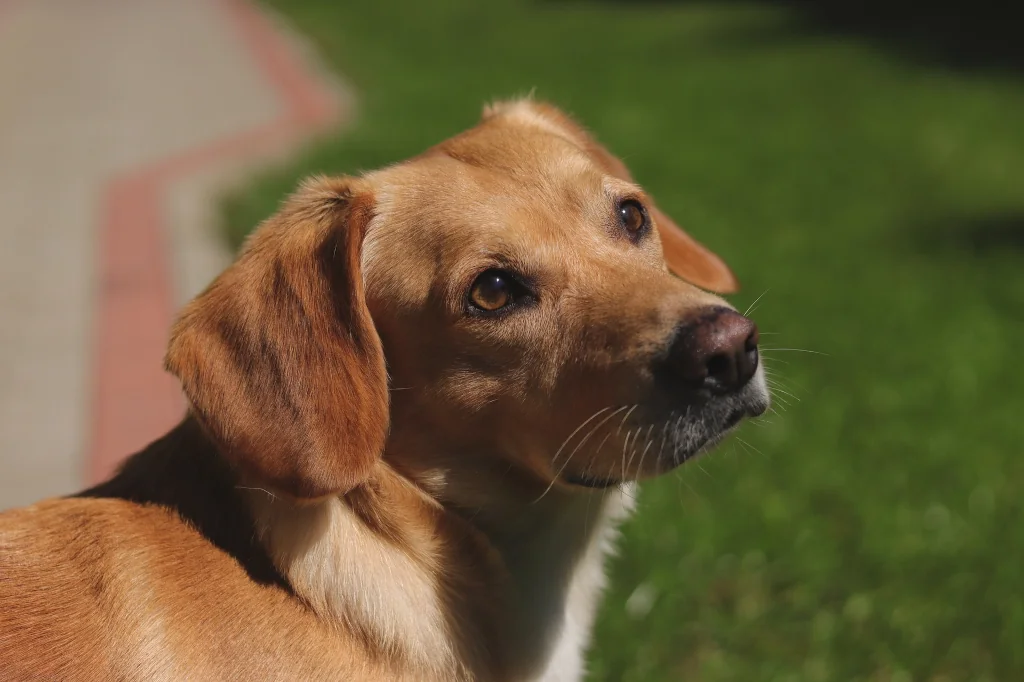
x=713 y=422
x=683 y=434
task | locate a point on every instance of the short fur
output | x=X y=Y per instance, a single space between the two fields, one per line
x=375 y=481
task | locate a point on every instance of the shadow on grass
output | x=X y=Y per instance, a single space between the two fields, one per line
x=986 y=34
x=981 y=236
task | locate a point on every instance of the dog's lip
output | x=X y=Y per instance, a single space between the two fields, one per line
x=593 y=482
x=733 y=419
x=755 y=406
x=752 y=406
x=714 y=437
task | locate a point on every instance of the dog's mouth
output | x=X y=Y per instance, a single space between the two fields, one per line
x=584 y=481
x=668 y=461
x=666 y=442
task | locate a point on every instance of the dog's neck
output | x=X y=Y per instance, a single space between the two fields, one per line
x=553 y=540
x=555 y=550
x=499 y=580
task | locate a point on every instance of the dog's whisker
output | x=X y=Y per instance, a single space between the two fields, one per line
x=631 y=496
x=753 y=306
x=778 y=390
x=780 y=375
x=622 y=458
x=594 y=430
x=774 y=361
x=584 y=440
x=578 y=429
x=562 y=447
x=681 y=477
x=262 y=490
x=664 y=434
x=778 y=385
x=632 y=451
x=600 y=445
x=793 y=350
x=624 y=489
x=748 y=446
x=788 y=383
x=636 y=444
x=676 y=426
x=776 y=379
x=729 y=453
x=644 y=454
x=622 y=423
x=624 y=418
x=640 y=466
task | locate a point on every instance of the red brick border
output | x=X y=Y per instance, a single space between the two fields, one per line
x=134 y=400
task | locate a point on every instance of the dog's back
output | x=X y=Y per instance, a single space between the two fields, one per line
x=52 y=622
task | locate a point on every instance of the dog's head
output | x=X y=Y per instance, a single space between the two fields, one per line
x=505 y=301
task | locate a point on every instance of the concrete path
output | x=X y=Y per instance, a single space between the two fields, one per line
x=120 y=122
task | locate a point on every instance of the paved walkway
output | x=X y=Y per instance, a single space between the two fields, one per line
x=120 y=122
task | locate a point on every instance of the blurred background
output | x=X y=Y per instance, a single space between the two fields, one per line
x=860 y=165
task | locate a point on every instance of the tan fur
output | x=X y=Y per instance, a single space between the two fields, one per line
x=374 y=482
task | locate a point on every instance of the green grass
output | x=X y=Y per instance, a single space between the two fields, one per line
x=873 y=529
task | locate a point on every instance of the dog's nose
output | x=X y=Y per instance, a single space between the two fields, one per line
x=717 y=351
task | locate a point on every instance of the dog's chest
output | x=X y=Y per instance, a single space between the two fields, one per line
x=561 y=583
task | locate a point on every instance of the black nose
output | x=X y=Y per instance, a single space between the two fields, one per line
x=716 y=351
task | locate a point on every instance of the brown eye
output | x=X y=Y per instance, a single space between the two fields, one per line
x=633 y=217
x=491 y=291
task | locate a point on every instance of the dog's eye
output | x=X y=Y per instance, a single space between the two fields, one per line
x=492 y=290
x=633 y=218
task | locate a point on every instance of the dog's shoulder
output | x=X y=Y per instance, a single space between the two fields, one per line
x=181 y=480
x=118 y=568
x=75 y=580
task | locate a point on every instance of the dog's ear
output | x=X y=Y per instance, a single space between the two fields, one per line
x=690 y=259
x=684 y=255
x=279 y=357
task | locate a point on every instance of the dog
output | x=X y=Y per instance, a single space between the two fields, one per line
x=419 y=401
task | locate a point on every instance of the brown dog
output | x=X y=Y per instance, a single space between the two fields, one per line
x=418 y=400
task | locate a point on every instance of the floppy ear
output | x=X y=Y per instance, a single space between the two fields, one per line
x=279 y=357
x=690 y=259
x=684 y=255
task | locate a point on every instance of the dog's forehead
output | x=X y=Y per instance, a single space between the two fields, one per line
x=502 y=146
x=521 y=153
x=495 y=170
x=446 y=205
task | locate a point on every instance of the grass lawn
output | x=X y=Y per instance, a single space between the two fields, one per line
x=874 y=528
